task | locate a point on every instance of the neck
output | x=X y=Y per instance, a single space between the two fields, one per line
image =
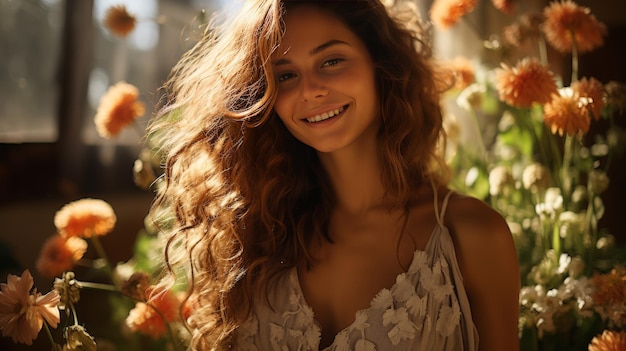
x=355 y=174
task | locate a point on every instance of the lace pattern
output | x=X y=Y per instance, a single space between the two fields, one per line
x=425 y=309
x=421 y=301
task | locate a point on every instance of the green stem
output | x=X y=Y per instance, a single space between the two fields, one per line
x=574 y=57
x=543 y=50
x=55 y=347
x=566 y=176
x=593 y=231
x=100 y=250
x=73 y=310
x=556 y=241
x=98 y=286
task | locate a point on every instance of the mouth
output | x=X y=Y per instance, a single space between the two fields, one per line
x=327 y=115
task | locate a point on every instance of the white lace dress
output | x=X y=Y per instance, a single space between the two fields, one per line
x=426 y=309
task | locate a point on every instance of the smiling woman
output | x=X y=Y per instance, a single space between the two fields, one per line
x=310 y=199
x=326 y=87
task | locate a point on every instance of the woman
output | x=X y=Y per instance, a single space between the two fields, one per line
x=310 y=200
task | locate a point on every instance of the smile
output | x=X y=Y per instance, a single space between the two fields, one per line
x=326 y=115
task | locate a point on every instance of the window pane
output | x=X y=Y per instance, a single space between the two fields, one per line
x=30 y=33
x=165 y=30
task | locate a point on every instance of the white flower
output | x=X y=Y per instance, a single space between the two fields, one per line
x=553 y=203
x=341 y=340
x=419 y=261
x=471 y=97
x=277 y=335
x=598 y=182
x=403 y=289
x=571 y=224
x=417 y=306
x=536 y=177
x=249 y=328
x=448 y=319
x=364 y=345
x=564 y=261
x=360 y=321
x=383 y=300
x=500 y=179
x=402 y=327
x=312 y=338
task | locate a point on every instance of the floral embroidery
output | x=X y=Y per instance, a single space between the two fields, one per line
x=403 y=328
x=364 y=345
x=384 y=299
x=448 y=319
x=422 y=300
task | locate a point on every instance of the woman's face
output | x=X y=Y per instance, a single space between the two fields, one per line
x=327 y=94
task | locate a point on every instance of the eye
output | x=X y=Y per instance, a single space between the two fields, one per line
x=332 y=62
x=285 y=76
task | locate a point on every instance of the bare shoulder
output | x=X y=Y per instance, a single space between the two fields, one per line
x=481 y=237
x=488 y=261
x=474 y=217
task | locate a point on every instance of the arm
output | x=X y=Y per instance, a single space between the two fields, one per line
x=488 y=261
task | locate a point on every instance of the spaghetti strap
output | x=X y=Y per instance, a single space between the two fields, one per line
x=439 y=214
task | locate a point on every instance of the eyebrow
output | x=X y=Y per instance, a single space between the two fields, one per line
x=314 y=51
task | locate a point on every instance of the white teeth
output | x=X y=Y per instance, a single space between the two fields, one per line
x=325 y=115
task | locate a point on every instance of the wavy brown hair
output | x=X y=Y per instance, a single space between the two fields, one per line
x=246 y=197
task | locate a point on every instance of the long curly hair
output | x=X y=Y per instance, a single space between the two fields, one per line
x=246 y=197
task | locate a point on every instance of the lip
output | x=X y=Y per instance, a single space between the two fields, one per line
x=322 y=110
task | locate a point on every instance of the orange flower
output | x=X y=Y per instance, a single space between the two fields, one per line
x=445 y=13
x=528 y=26
x=528 y=82
x=22 y=313
x=505 y=6
x=609 y=341
x=119 y=21
x=85 y=218
x=566 y=113
x=460 y=72
x=59 y=254
x=610 y=288
x=144 y=319
x=593 y=91
x=117 y=109
x=566 y=20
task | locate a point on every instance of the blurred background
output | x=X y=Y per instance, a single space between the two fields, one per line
x=57 y=60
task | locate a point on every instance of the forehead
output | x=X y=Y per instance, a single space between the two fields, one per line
x=308 y=24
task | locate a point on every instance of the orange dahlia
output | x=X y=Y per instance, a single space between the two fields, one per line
x=592 y=90
x=567 y=22
x=609 y=341
x=144 y=319
x=528 y=26
x=446 y=13
x=505 y=6
x=119 y=21
x=566 y=113
x=610 y=288
x=526 y=83
x=459 y=72
x=59 y=254
x=85 y=218
x=117 y=109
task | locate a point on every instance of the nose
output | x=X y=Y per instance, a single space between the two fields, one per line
x=312 y=87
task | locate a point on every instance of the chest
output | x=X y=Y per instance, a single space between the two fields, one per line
x=365 y=259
